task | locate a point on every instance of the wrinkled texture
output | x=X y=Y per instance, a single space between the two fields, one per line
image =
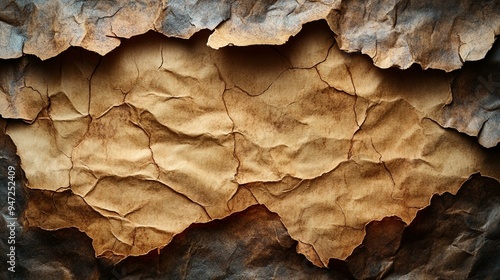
x=267 y=21
x=248 y=245
x=46 y=28
x=475 y=108
x=255 y=244
x=12 y=203
x=456 y=237
x=374 y=258
x=162 y=133
x=252 y=244
x=469 y=250
x=61 y=254
x=433 y=34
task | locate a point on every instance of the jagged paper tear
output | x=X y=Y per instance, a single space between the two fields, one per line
x=163 y=133
x=475 y=108
x=433 y=34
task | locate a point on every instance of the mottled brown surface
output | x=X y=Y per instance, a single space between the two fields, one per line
x=455 y=237
x=165 y=158
x=433 y=34
x=163 y=133
x=475 y=108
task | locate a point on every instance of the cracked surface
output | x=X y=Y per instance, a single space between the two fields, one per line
x=172 y=131
x=475 y=108
x=439 y=35
x=254 y=243
x=433 y=34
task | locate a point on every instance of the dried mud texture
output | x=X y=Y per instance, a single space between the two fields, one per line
x=475 y=109
x=439 y=35
x=136 y=146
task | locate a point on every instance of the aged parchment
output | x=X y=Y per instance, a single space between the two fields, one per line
x=162 y=133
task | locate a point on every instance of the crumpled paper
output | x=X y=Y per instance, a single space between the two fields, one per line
x=454 y=237
x=475 y=108
x=47 y=28
x=255 y=243
x=252 y=244
x=433 y=34
x=137 y=145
